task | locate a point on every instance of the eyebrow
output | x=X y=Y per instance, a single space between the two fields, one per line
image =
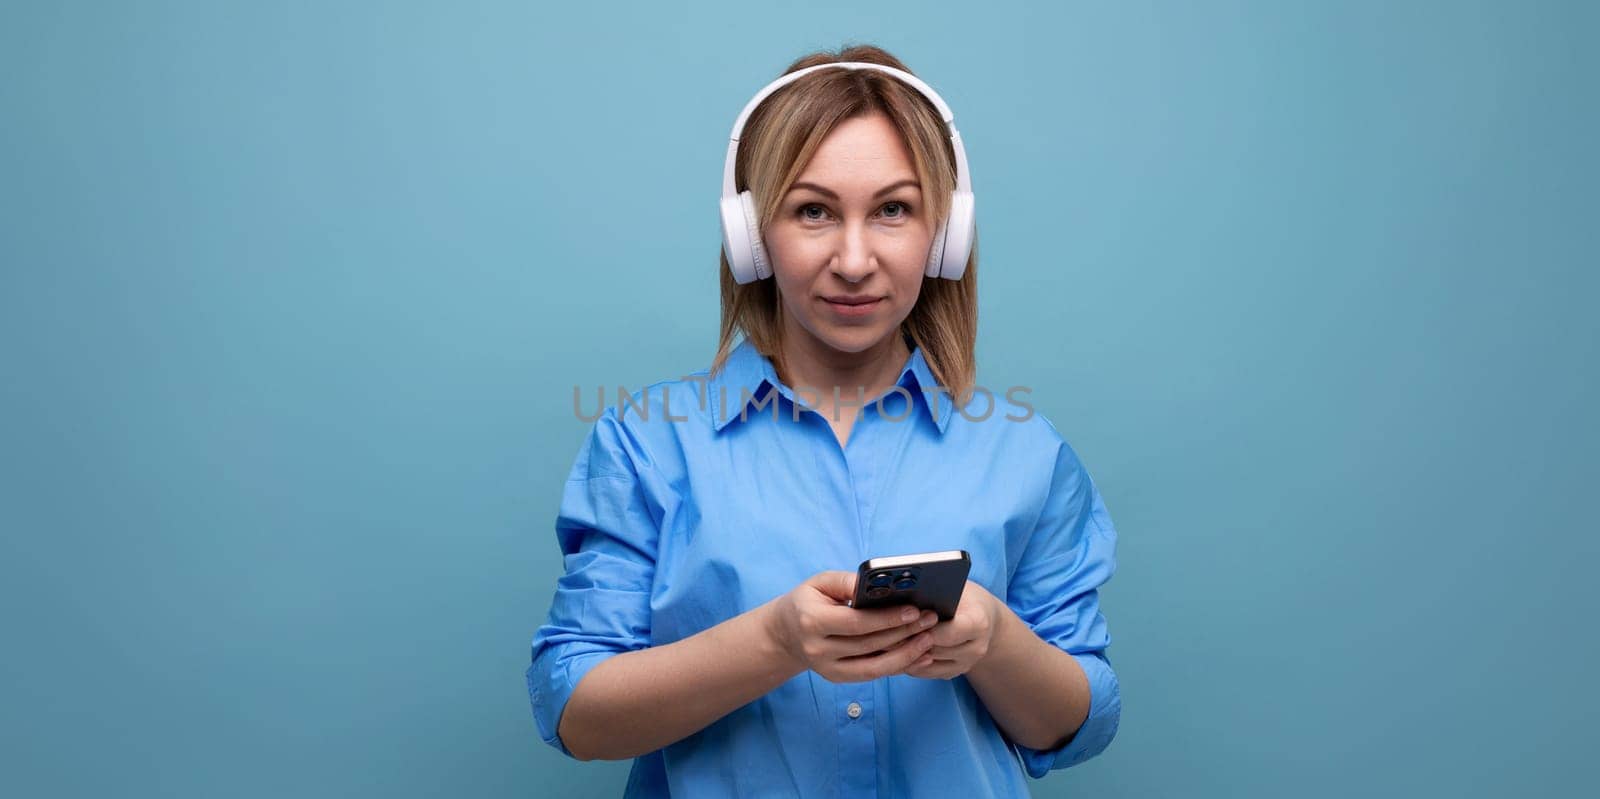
x=829 y=194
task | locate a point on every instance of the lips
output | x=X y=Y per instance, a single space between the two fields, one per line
x=852 y=308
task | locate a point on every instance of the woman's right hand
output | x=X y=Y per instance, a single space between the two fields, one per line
x=818 y=631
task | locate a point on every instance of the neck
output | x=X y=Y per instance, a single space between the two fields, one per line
x=811 y=364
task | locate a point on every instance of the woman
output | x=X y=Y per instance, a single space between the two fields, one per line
x=712 y=524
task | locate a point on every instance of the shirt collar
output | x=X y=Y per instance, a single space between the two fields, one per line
x=746 y=375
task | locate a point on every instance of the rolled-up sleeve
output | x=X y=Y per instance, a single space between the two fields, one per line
x=607 y=531
x=1055 y=589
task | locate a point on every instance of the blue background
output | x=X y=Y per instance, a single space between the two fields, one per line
x=295 y=295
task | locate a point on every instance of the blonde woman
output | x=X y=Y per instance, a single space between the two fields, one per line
x=712 y=524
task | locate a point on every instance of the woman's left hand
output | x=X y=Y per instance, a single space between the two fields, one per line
x=961 y=641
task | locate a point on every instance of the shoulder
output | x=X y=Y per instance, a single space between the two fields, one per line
x=1053 y=439
x=1066 y=467
x=678 y=399
x=1010 y=425
x=642 y=429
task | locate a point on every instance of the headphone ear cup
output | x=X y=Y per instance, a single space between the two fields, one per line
x=736 y=240
x=957 y=235
x=758 y=250
x=936 y=253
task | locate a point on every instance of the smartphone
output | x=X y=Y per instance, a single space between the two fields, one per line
x=929 y=580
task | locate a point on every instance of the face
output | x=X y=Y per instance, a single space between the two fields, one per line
x=851 y=238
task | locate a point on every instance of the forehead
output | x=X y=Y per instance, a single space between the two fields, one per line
x=866 y=147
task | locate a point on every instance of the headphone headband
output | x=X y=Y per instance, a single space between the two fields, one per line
x=963 y=180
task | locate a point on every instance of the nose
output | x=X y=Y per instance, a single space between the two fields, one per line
x=855 y=260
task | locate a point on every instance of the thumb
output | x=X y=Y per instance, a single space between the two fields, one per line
x=838 y=585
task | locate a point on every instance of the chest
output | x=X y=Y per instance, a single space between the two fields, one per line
x=759 y=513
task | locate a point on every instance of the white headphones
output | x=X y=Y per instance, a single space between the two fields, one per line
x=741 y=240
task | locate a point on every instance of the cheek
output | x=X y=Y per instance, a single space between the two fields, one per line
x=779 y=254
x=908 y=280
x=913 y=247
x=911 y=260
x=791 y=256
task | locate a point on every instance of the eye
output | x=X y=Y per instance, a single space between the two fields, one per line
x=801 y=211
x=901 y=210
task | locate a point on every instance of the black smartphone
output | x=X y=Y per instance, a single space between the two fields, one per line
x=929 y=580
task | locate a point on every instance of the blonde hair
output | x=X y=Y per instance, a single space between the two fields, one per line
x=780 y=138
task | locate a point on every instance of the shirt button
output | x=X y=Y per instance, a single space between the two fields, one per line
x=854 y=710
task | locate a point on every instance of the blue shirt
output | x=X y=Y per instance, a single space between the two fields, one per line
x=669 y=526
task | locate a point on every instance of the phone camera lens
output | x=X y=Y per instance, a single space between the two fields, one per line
x=880 y=579
x=878 y=592
x=905 y=582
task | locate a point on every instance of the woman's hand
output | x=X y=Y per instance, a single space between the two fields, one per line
x=820 y=632
x=963 y=640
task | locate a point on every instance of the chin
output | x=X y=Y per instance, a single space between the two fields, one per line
x=850 y=339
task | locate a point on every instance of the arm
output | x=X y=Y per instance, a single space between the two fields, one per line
x=637 y=702
x=660 y=695
x=608 y=531
x=1046 y=680
x=1037 y=693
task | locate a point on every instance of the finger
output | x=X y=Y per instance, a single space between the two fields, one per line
x=840 y=620
x=936 y=669
x=836 y=585
x=893 y=661
x=952 y=652
x=849 y=645
x=922 y=661
x=954 y=631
